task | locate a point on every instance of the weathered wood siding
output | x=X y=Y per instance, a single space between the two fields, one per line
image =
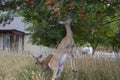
x=1 y=42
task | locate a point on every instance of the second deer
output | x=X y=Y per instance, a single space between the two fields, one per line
x=44 y=63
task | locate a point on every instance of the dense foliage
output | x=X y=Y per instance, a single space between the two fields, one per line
x=8 y=9
x=94 y=21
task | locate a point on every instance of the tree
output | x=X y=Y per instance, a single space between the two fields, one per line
x=114 y=41
x=90 y=20
x=7 y=9
x=94 y=21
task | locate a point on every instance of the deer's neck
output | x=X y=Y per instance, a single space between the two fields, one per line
x=68 y=30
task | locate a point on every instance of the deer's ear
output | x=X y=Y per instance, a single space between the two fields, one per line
x=69 y=20
x=40 y=56
x=33 y=56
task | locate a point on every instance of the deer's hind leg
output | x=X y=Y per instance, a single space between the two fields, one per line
x=55 y=71
x=60 y=69
x=54 y=67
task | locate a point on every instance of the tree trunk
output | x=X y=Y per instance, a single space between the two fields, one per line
x=94 y=48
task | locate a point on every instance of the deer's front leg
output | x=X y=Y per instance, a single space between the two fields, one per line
x=72 y=57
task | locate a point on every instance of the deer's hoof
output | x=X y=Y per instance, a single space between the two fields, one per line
x=74 y=70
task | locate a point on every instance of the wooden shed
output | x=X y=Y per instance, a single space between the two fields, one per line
x=12 y=35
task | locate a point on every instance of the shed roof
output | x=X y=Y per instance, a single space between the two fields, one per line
x=17 y=24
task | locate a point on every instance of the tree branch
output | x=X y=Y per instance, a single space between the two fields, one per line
x=111 y=21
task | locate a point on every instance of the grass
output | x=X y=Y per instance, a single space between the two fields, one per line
x=22 y=68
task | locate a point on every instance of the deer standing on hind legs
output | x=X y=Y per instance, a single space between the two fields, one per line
x=64 y=48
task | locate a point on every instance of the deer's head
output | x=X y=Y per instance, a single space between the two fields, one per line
x=36 y=59
x=43 y=64
x=67 y=21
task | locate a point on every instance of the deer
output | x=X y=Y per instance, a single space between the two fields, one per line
x=44 y=63
x=63 y=50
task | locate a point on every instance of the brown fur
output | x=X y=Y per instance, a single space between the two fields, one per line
x=64 y=48
x=44 y=63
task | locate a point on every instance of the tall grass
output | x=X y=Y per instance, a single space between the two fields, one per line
x=23 y=68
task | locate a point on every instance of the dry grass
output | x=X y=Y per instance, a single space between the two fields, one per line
x=22 y=68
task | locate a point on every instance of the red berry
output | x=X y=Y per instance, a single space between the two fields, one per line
x=119 y=14
x=81 y=12
x=82 y=16
x=63 y=11
x=29 y=1
x=51 y=17
x=110 y=1
x=71 y=5
x=64 y=0
x=52 y=10
x=51 y=3
x=44 y=0
x=55 y=12
x=58 y=5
